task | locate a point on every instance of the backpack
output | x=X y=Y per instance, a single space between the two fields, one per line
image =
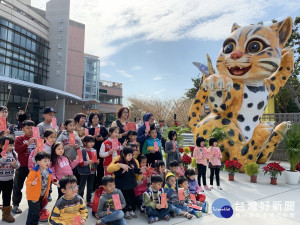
x=96 y=199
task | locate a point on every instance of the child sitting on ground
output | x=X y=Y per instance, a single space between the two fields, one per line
x=37 y=187
x=152 y=201
x=70 y=205
x=160 y=169
x=106 y=208
x=172 y=195
x=195 y=189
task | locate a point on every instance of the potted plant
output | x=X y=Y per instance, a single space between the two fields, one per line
x=232 y=166
x=273 y=169
x=194 y=165
x=251 y=169
x=292 y=144
x=186 y=160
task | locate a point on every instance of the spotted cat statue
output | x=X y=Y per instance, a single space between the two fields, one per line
x=253 y=66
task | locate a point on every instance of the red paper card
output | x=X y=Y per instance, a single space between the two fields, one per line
x=193 y=198
x=94 y=156
x=147 y=125
x=117 y=202
x=5 y=146
x=173 y=143
x=156 y=146
x=195 y=207
x=86 y=131
x=97 y=131
x=40 y=144
x=36 y=132
x=71 y=139
x=54 y=123
x=79 y=153
x=115 y=144
x=77 y=220
x=129 y=126
x=181 y=196
x=163 y=200
x=3 y=126
x=148 y=172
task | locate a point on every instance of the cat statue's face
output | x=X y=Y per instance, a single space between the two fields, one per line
x=253 y=53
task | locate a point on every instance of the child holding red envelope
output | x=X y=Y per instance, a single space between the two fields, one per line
x=152 y=147
x=110 y=148
x=87 y=168
x=8 y=164
x=172 y=148
x=111 y=204
x=5 y=127
x=214 y=156
x=48 y=123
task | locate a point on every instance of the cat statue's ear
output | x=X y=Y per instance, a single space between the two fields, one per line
x=283 y=30
x=234 y=27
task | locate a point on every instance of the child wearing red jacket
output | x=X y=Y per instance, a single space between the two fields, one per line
x=107 y=152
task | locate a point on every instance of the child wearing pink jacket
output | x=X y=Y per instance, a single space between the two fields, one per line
x=60 y=165
x=200 y=154
x=214 y=155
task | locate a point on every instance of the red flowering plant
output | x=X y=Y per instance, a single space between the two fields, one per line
x=181 y=150
x=298 y=166
x=192 y=149
x=186 y=160
x=273 y=169
x=232 y=166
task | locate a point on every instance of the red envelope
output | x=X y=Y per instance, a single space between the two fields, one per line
x=193 y=198
x=156 y=146
x=195 y=207
x=163 y=200
x=79 y=153
x=129 y=126
x=173 y=143
x=5 y=146
x=36 y=132
x=86 y=131
x=181 y=196
x=40 y=144
x=3 y=126
x=117 y=202
x=97 y=131
x=71 y=139
x=54 y=123
x=148 y=172
x=115 y=144
x=147 y=125
x=94 y=156
x=77 y=220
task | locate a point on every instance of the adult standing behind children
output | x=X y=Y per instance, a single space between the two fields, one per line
x=123 y=115
x=94 y=119
x=80 y=120
x=24 y=144
x=143 y=133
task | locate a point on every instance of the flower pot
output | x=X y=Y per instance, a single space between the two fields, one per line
x=273 y=180
x=291 y=177
x=253 y=179
x=231 y=177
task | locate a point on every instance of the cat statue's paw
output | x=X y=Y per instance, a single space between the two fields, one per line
x=217 y=82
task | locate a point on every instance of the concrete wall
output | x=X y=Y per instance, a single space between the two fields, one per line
x=75 y=67
x=72 y=110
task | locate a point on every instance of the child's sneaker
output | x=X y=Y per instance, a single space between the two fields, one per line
x=211 y=187
x=198 y=214
x=207 y=188
x=201 y=189
x=132 y=213
x=44 y=215
x=99 y=222
x=167 y=217
x=128 y=215
x=205 y=207
x=153 y=219
x=219 y=187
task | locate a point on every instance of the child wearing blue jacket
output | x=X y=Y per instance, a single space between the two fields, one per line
x=149 y=150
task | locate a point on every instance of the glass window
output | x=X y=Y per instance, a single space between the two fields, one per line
x=16 y=39
x=21 y=74
x=14 y=73
x=2 y=51
x=3 y=33
x=7 y=71
x=17 y=28
x=4 y=22
x=8 y=53
x=28 y=44
x=2 y=58
x=26 y=76
x=2 y=44
x=2 y=69
x=33 y=46
x=23 y=42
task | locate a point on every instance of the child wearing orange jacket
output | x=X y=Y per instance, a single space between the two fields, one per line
x=37 y=187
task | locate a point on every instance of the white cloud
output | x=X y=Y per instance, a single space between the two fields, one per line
x=157 y=78
x=124 y=73
x=136 y=68
x=106 y=75
x=112 y=25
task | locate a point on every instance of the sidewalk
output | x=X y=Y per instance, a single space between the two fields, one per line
x=280 y=203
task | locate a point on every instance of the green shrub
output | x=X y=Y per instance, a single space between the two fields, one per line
x=251 y=169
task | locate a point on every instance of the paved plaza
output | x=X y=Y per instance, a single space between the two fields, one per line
x=259 y=204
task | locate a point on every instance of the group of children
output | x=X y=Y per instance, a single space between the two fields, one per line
x=140 y=178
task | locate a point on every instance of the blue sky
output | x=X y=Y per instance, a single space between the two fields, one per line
x=149 y=46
